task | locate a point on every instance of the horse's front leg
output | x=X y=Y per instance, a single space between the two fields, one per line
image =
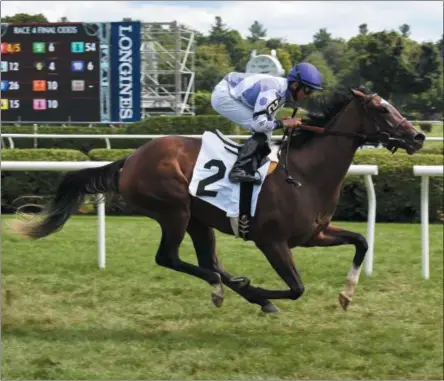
x=335 y=236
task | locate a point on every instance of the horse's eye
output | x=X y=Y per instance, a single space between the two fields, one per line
x=384 y=110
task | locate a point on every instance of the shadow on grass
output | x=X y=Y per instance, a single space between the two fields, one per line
x=192 y=336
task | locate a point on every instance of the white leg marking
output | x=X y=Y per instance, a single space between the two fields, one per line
x=352 y=280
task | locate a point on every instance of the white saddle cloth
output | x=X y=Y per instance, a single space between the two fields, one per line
x=210 y=181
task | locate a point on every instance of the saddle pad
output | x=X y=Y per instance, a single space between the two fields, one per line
x=210 y=181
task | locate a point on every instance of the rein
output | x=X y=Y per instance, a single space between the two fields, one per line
x=392 y=144
x=378 y=137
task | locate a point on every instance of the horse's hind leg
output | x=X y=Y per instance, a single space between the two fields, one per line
x=205 y=245
x=173 y=232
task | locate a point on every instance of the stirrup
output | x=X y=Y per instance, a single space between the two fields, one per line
x=239 y=175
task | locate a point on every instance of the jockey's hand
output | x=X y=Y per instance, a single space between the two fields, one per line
x=291 y=122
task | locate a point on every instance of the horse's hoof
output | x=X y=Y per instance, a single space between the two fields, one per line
x=270 y=308
x=344 y=300
x=217 y=295
x=241 y=281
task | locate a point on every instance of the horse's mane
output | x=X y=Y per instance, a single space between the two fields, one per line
x=321 y=110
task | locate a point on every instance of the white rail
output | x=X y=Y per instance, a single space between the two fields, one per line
x=425 y=171
x=366 y=170
x=107 y=137
x=59 y=166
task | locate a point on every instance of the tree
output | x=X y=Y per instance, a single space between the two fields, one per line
x=307 y=49
x=440 y=46
x=63 y=19
x=386 y=61
x=322 y=38
x=274 y=43
x=333 y=53
x=284 y=58
x=217 y=32
x=426 y=66
x=295 y=53
x=213 y=63
x=24 y=17
x=257 y=31
x=363 y=29
x=238 y=49
x=329 y=79
x=405 y=30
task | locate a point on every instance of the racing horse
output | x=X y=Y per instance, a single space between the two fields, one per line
x=155 y=179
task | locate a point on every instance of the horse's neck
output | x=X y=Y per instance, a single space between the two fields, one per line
x=326 y=159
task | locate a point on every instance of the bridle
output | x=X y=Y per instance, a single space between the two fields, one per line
x=378 y=137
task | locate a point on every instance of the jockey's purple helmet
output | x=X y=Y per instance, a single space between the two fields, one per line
x=307 y=74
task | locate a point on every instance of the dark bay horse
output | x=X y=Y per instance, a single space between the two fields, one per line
x=155 y=180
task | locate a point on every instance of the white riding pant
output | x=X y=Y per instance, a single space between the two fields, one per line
x=231 y=108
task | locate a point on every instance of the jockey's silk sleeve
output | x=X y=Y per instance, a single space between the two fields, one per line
x=267 y=105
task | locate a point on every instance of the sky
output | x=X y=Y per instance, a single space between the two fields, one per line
x=294 y=21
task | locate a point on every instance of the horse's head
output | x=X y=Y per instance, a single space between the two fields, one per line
x=386 y=124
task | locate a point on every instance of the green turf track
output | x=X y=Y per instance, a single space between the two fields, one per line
x=62 y=318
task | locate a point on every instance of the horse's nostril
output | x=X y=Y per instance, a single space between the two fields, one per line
x=419 y=137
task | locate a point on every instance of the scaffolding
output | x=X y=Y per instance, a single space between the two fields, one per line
x=167 y=69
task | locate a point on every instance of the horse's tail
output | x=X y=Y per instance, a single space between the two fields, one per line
x=69 y=197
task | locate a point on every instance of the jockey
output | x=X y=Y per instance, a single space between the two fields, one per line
x=252 y=101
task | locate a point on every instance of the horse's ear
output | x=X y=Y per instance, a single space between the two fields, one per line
x=357 y=93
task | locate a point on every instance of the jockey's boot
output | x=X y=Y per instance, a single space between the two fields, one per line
x=249 y=157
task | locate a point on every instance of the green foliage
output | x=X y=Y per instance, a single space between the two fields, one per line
x=214 y=63
x=425 y=126
x=24 y=18
x=284 y=58
x=159 y=125
x=17 y=184
x=321 y=39
x=397 y=189
x=329 y=79
x=202 y=102
x=182 y=125
x=43 y=155
x=363 y=29
x=436 y=148
x=257 y=31
x=109 y=154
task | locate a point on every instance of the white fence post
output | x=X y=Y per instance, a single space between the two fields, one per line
x=368 y=171
x=101 y=230
x=425 y=171
x=60 y=166
x=371 y=222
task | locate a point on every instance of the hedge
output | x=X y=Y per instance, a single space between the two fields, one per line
x=397 y=189
x=109 y=154
x=433 y=148
x=157 y=125
x=16 y=184
x=83 y=145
